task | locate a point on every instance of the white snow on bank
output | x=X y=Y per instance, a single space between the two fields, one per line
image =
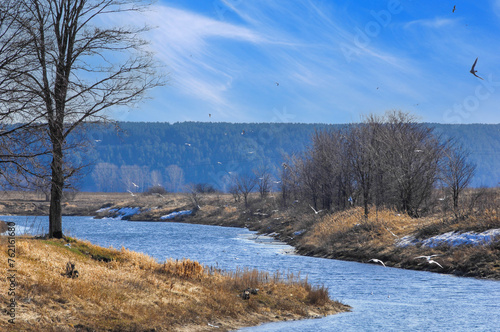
x=124 y=212
x=175 y=214
x=452 y=239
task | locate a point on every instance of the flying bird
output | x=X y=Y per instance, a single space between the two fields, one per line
x=377 y=261
x=277 y=84
x=315 y=212
x=431 y=261
x=473 y=71
x=426 y=257
x=135 y=185
x=454 y=7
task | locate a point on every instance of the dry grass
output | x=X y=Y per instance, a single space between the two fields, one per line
x=121 y=290
x=348 y=235
x=381 y=227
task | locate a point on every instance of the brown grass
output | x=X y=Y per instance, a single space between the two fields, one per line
x=121 y=290
x=348 y=235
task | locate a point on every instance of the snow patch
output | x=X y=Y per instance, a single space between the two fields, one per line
x=451 y=239
x=125 y=212
x=175 y=214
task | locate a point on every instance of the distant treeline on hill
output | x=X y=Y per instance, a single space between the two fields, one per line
x=142 y=154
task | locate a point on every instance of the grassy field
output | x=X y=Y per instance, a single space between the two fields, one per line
x=121 y=290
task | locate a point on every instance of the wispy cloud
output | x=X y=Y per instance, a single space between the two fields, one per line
x=433 y=23
x=227 y=65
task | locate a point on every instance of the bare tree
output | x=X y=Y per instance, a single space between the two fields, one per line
x=408 y=153
x=70 y=71
x=263 y=180
x=175 y=178
x=134 y=178
x=456 y=172
x=361 y=146
x=245 y=185
x=105 y=176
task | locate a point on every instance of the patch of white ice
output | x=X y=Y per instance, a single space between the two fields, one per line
x=452 y=239
x=175 y=214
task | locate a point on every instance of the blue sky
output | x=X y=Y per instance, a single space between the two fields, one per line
x=333 y=60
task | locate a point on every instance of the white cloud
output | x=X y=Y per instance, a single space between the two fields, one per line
x=433 y=23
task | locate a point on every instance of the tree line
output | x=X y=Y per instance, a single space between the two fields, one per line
x=385 y=161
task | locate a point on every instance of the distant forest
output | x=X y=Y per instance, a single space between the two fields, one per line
x=140 y=154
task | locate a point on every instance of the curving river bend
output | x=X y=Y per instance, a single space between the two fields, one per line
x=383 y=299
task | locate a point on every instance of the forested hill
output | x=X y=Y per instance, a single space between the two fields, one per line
x=145 y=154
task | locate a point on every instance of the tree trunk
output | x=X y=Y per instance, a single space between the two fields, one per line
x=56 y=191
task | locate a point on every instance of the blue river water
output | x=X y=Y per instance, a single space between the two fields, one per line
x=382 y=299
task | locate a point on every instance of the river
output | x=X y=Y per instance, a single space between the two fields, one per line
x=382 y=299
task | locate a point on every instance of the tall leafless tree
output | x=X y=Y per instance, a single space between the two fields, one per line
x=456 y=172
x=408 y=155
x=263 y=180
x=245 y=184
x=70 y=71
x=175 y=178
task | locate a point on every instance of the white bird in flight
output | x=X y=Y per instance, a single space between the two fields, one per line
x=377 y=261
x=316 y=212
x=426 y=257
x=431 y=261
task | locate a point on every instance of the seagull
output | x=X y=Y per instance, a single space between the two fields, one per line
x=473 y=71
x=454 y=7
x=431 y=261
x=131 y=193
x=377 y=261
x=209 y=115
x=219 y=163
x=426 y=257
x=135 y=185
x=316 y=212
x=188 y=144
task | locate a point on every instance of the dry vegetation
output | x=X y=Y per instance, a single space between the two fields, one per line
x=348 y=235
x=121 y=290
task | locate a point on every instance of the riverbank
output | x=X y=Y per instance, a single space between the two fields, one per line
x=72 y=285
x=395 y=239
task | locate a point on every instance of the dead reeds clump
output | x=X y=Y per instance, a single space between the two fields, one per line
x=186 y=269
